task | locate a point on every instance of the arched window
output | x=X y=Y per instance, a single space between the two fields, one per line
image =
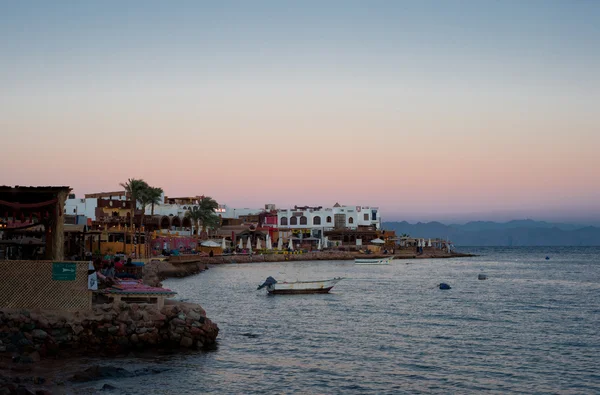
x=317 y=221
x=328 y=220
x=284 y=221
x=303 y=220
x=350 y=220
x=294 y=221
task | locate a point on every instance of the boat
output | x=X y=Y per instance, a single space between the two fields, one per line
x=373 y=261
x=299 y=287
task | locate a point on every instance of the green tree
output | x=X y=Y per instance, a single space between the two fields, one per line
x=204 y=215
x=154 y=195
x=135 y=189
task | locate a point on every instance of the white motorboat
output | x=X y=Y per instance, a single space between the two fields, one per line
x=373 y=261
x=299 y=287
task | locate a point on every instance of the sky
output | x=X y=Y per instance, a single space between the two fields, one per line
x=430 y=110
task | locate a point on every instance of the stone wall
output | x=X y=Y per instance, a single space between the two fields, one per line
x=107 y=329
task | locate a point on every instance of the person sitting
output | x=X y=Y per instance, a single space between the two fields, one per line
x=129 y=263
x=118 y=264
x=211 y=253
x=110 y=272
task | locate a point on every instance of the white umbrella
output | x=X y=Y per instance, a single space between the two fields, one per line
x=241 y=245
x=377 y=241
x=223 y=244
x=319 y=246
x=269 y=242
x=280 y=244
x=419 y=244
x=326 y=242
x=249 y=244
x=258 y=244
x=291 y=245
x=210 y=243
x=429 y=244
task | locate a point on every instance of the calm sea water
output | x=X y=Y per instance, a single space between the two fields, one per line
x=532 y=327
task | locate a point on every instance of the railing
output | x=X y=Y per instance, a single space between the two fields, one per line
x=44 y=285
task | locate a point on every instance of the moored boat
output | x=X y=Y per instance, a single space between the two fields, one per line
x=299 y=287
x=373 y=261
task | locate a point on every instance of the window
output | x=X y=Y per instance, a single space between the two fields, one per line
x=284 y=221
x=317 y=221
x=294 y=221
x=350 y=220
x=328 y=220
x=366 y=217
x=303 y=220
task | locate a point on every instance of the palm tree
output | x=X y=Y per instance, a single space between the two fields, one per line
x=154 y=195
x=204 y=214
x=134 y=188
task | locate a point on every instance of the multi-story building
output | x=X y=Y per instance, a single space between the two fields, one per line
x=338 y=216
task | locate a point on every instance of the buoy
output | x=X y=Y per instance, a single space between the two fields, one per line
x=547 y=258
x=444 y=286
x=482 y=277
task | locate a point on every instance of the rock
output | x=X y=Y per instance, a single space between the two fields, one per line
x=35 y=356
x=108 y=387
x=43 y=392
x=113 y=329
x=100 y=372
x=134 y=338
x=39 y=334
x=186 y=342
x=26 y=359
x=77 y=329
x=2 y=348
x=24 y=391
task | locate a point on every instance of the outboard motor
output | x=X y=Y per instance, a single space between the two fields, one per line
x=269 y=281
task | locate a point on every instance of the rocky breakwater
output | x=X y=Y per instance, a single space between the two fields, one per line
x=108 y=329
x=157 y=270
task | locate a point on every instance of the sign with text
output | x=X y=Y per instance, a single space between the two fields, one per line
x=63 y=271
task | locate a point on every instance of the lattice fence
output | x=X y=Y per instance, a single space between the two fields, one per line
x=29 y=285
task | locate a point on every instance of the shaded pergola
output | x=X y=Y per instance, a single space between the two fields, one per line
x=24 y=207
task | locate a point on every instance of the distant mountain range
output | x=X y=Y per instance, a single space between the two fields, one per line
x=514 y=233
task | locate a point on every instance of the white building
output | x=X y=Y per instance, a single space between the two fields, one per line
x=87 y=206
x=349 y=217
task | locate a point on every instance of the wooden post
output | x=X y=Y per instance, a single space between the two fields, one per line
x=58 y=229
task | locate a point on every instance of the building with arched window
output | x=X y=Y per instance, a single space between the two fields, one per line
x=315 y=220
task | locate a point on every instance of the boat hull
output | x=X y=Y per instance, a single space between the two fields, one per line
x=373 y=261
x=302 y=287
x=299 y=291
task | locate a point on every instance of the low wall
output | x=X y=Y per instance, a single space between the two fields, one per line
x=107 y=329
x=308 y=256
x=44 y=285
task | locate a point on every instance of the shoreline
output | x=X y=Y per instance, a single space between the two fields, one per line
x=187 y=265
x=28 y=337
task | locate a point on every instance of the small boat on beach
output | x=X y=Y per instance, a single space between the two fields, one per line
x=298 y=287
x=373 y=261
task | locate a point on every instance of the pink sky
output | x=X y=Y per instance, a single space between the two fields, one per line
x=427 y=113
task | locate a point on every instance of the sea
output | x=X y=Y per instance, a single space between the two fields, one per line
x=532 y=327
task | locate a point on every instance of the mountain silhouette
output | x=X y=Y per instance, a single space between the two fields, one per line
x=513 y=233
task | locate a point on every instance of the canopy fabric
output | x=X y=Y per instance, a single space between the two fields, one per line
x=291 y=245
x=377 y=241
x=249 y=244
x=269 y=243
x=210 y=243
x=258 y=244
x=223 y=244
x=241 y=244
x=280 y=244
x=319 y=245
